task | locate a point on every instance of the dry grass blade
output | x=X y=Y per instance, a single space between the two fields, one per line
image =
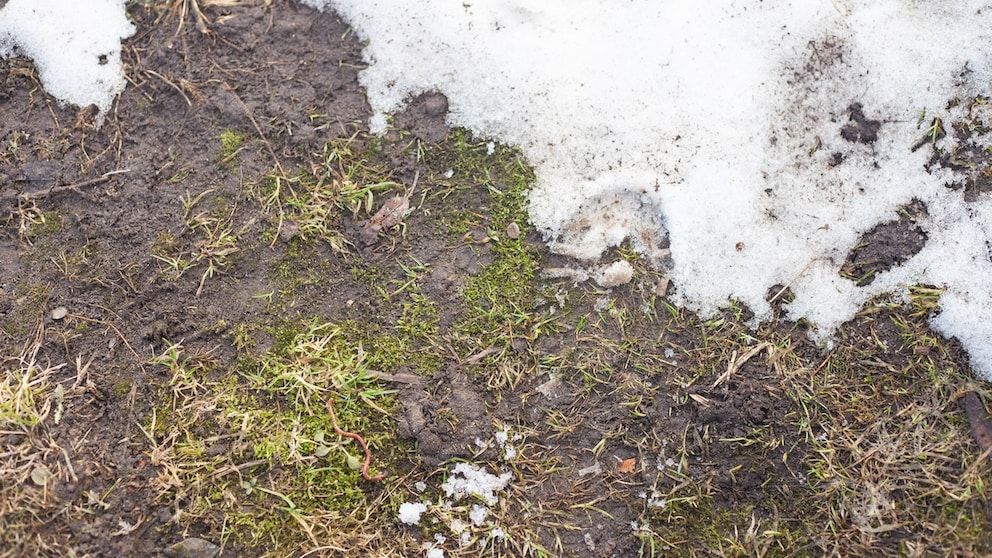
x=31 y=462
x=736 y=363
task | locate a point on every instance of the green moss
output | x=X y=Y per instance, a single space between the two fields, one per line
x=502 y=295
x=242 y=337
x=419 y=321
x=30 y=303
x=231 y=144
x=40 y=224
x=122 y=387
x=268 y=420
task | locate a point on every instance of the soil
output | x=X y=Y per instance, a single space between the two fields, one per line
x=85 y=210
x=887 y=245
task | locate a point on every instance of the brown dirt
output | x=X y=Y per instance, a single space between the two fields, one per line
x=886 y=245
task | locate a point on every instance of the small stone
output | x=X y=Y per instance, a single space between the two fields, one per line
x=40 y=475
x=194 y=548
x=59 y=313
x=513 y=231
x=549 y=389
x=289 y=230
x=661 y=287
x=593 y=469
x=617 y=273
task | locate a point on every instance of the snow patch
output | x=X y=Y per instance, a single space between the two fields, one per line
x=76 y=46
x=409 y=513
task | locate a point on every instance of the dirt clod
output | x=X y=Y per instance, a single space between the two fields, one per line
x=860 y=129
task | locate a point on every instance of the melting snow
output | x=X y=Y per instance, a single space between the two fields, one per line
x=409 y=513
x=706 y=134
x=467 y=479
x=76 y=46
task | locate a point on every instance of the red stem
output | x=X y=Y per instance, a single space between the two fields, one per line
x=357 y=438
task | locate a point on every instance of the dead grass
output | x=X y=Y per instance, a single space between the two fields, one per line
x=892 y=463
x=32 y=464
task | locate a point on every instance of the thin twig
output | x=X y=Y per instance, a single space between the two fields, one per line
x=791 y=281
x=28 y=196
x=170 y=84
x=75 y=187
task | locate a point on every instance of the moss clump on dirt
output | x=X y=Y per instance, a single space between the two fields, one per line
x=405 y=328
x=231 y=143
x=29 y=301
x=497 y=304
x=234 y=447
x=300 y=265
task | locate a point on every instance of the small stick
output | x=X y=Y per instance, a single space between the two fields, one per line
x=74 y=187
x=736 y=363
x=978 y=418
x=357 y=438
x=791 y=281
x=56 y=189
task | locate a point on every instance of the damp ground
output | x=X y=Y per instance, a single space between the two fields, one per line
x=206 y=313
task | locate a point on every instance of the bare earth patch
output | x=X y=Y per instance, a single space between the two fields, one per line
x=186 y=290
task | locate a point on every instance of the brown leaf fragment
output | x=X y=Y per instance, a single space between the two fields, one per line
x=981 y=427
x=394 y=209
x=627 y=465
x=391 y=213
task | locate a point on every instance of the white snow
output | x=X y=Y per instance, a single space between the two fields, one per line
x=466 y=479
x=714 y=123
x=75 y=44
x=478 y=514
x=410 y=512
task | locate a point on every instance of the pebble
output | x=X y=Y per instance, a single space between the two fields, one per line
x=194 y=548
x=59 y=313
x=513 y=231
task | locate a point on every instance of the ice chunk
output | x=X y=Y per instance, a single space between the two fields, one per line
x=467 y=479
x=410 y=513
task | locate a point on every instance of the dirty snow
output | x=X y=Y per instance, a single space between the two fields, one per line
x=75 y=44
x=713 y=124
x=467 y=479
